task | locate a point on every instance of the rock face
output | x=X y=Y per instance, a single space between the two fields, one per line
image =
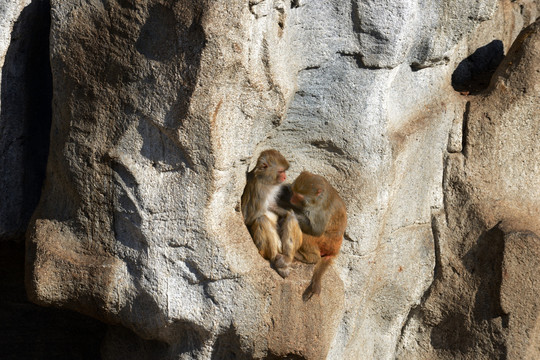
x=160 y=108
x=488 y=247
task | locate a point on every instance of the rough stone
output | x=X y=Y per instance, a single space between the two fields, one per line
x=385 y=30
x=476 y=308
x=520 y=283
x=142 y=174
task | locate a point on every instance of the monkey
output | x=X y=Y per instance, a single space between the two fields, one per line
x=276 y=241
x=322 y=217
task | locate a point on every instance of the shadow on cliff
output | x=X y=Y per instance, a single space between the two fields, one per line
x=26 y=112
x=29 y=331
x=461 y=327
x=474 y=73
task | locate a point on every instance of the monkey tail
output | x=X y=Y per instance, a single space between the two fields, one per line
x=321 y=267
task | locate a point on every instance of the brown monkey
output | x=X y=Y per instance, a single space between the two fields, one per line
x=322 y=216
x=261 y=212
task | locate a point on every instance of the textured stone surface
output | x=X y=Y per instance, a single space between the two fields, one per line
x=488 y=247
x=161 y=107
x=519 y=294
x=29 y=331
x=145 y=220
x=385 y=29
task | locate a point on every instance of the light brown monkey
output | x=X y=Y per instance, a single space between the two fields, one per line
x=261 y=212
x=322 y=216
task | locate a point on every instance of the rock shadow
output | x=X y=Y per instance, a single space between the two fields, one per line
x=484 y=262
x=25 y=118
x=452 y=333
x=33 y=332
x=165 y=37
x=157 y=40
x=228 y=347
x=474 y=73
x=462 y=331
x=160 y=147
x=122 y=343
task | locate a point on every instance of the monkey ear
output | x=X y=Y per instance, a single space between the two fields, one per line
x=319 y=191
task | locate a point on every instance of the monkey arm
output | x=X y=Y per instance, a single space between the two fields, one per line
x=282 y=206
x=279 y=211
x=312 y=223
x=318 y=225
x=306 y=224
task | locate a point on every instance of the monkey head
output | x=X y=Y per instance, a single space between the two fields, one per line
x=271 y=167
x=307 y=190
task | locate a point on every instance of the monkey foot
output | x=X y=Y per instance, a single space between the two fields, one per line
x=280 y=262
x=283 y=272
x=281 y=265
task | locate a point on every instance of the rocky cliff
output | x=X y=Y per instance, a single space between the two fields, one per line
x=423 y=115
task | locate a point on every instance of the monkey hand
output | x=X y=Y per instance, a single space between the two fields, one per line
x=304 y=222
x=279 y=211
x=284 y=196
x=281 y=266
x=289 y=214
x=283 y=272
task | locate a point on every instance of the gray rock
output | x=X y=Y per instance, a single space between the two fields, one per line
x=481 y=304
x=421 y=33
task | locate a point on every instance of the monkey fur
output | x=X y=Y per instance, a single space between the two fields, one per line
x=275 y=231
x=322 y=216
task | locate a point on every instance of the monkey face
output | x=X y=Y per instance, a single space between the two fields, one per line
x=271 y=174
x=271 y=167
x=281 y=176
x=297 y=199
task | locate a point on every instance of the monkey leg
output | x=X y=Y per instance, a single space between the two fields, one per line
x=309 y=251
x=265 y=237
x=291 y=236
x=291 y=240
x=321 y=267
